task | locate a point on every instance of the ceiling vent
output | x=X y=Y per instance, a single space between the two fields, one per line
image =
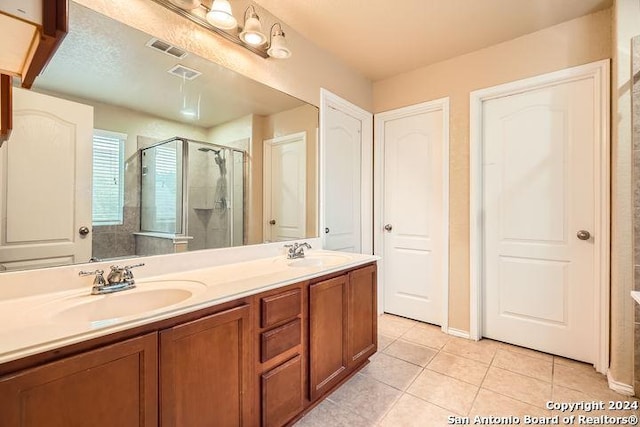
x=166 y=48
x=184 y=72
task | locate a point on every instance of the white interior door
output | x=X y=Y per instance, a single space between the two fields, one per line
x=285 y=175
x=41 y=218
x=341 y=182
x=539 y=205
x=414 y=210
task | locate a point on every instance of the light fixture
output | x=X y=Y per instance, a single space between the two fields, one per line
x=217 y=17
x=220 y=15
x=278 y=46
x=252 y=30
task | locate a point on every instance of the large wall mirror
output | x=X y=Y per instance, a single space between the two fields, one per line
x=128 y=146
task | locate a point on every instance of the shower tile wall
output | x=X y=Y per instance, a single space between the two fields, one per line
x=112 y=241
x=208 y=221
x=635 y=109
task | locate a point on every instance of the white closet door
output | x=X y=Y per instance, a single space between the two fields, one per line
x=285 y=175
x=539 y=193
x=45 y=183
x=342 y=183
x=414 y=212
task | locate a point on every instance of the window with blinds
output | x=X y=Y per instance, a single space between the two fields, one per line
x=108 y=177
x=166 y=184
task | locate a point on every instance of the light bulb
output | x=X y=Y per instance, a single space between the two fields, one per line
x=220 y=15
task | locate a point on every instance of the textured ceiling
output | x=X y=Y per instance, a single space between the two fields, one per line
x=383 y=38
x=106 y=61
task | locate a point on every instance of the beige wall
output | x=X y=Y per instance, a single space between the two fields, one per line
x=626 y=18
x=571 y=43
x=302 y=75
x=304 y=118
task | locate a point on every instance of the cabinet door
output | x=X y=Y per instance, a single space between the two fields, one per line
x=205 y=371
x=327 y=334
x=112 y=386
x=362 y=330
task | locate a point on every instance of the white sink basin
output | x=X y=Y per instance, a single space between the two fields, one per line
x=318 y=260
x=106 y=309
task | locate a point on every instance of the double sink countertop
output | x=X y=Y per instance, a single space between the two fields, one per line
x=38 y=323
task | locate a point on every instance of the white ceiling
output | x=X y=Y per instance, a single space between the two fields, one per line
x=383 y=38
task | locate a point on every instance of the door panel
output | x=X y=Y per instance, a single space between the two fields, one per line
x=414 y=262
x=341 y=185
x=538 y=192
x=285 y=188
x=41 y=218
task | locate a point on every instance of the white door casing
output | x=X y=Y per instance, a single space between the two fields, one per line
x=346 y=174
x=412 y=152
x=41 y=218
x=285 y=175
x=538 y=176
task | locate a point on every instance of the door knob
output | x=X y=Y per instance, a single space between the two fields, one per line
x=583 y=235
x=388 y=227
x=326 y=230
x=83 y=230
x=272 y=222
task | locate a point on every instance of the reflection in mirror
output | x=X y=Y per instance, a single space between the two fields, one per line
x=152 y=148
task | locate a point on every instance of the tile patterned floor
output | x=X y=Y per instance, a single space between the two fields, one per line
x=421 y=377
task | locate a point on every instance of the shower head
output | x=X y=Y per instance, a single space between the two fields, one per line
x=209 y=149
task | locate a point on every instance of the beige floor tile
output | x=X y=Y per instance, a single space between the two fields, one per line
x=384 y=341
x=558 y=360
x=328 y=413
x=393 y=326
x=366 y=397
x=526 y=351
x=521 y=363
x=391 y=371
x=400 y=319
x=481 y=351
x=446 y=392
x=427 y=335
x=414 y=353
x=461 y=368
x=584 y=378
x=490 y=403
x=410 y=411
x=526 y=389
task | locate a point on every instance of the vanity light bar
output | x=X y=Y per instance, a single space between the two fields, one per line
x=196 y=15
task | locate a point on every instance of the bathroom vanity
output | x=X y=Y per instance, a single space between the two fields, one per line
x=254 y=343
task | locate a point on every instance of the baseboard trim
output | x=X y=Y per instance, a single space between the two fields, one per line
x=619 y=387
x=458 y=333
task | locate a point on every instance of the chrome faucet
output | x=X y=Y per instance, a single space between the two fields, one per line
x=296 y=250
x=119 y=279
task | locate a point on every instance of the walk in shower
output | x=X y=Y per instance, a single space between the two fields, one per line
x=191 y=196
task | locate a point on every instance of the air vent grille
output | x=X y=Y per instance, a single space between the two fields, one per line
x=166 y=48
x=184 y=72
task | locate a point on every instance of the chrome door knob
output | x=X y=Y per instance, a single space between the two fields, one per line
x=272 y=222
x=326 y=230
x=583 y=235
x=83 y=231
x=388 y=227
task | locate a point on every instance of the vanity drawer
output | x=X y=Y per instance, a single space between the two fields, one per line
x=280 y=339
x=276 y=308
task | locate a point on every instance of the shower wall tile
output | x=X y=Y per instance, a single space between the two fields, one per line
x=635 y=63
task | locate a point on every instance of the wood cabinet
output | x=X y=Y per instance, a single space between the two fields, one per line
x=114 y=385
x=6 y=106
x=261 y=360
x=280 y=360
x=204 y=371
x=342 y=327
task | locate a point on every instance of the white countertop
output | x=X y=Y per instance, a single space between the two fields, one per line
x=32 y=324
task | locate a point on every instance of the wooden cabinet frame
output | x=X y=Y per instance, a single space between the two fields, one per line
x=6 y=107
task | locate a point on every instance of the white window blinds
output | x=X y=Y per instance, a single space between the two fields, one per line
x=108 y=174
